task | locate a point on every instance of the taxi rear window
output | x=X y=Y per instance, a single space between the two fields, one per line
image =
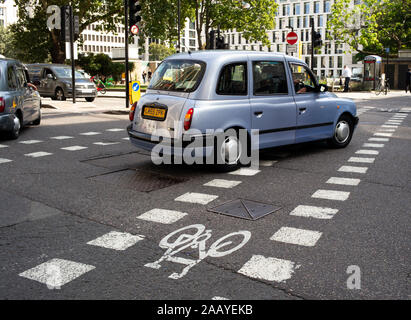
x=178 y=75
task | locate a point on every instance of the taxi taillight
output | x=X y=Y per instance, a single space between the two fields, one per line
x=188 y=118
x=132 y=111
x=2 y=104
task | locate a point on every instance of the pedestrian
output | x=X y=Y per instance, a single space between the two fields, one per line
x=347 y=75
x=149 y=75
x=144 y=76
x=408 y=81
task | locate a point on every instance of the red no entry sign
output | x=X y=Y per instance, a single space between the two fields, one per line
x=292 y=38
x=134 y=29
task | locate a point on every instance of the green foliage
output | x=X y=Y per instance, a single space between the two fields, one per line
x=6 y=43
x=102 y=65
x=31 y=29
x=159 y=52
x=372 y=26
x=160 y=17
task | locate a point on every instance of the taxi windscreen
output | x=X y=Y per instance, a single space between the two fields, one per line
x=178 y=75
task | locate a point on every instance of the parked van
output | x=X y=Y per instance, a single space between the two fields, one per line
x=55 y=81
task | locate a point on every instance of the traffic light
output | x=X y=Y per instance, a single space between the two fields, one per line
x=65 y=25
x=134 y=9
x=317 y=42
x=220 y=43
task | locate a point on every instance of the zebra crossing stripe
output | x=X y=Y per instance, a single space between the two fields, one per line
x=314 y=212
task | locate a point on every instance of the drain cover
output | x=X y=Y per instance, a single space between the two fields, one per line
x=144 y=181
x=245 y=209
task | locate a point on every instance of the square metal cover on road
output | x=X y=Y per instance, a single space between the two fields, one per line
x=245 y=209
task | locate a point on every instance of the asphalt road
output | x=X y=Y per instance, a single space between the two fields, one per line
x=80 y=223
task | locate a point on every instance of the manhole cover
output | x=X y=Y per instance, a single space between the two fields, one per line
x=144 y=181
x=245 y=209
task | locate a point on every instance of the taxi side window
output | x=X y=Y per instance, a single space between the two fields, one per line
x=303 y=79
x=269 y=78
x=233 y=80
x=21 y=76
x=11 y=78
x=46 y=72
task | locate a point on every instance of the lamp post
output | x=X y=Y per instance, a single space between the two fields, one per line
x=178 y=25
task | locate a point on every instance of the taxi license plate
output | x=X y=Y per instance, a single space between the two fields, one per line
x=154 y=113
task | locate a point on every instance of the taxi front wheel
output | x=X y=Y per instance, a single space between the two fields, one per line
x=343 y=132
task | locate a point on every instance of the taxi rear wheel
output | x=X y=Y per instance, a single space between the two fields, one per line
x=228 y=152
x=343 y=132
x=17 y=123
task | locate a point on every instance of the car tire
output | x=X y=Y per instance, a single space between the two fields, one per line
x=342 y=133
x=90 y=99
x=38 y=120
x=225 y=147
x=15 y=132
x=59 y=95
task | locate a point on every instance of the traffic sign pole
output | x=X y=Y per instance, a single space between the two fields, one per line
x=126 y=52
x=73 y=70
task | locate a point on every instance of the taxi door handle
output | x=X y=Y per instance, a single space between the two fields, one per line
x=302 y=110
x=258 y=113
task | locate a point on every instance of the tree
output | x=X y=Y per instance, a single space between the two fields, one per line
x=159 y=52
x=372 y=25
x=6 y=43
x=31 y=28
x=102 y=65
x=252 y=17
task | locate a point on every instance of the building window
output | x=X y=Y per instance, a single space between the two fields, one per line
x=296 y=9
x=317 y=7
x=320 y=22
x=340 y=62
x=327 y=6
x=330 y=62
x=306 y=8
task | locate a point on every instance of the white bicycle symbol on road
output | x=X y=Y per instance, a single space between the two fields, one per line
x=182 y=239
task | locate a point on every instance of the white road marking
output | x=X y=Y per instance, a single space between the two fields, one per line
x=38 y=154
x=5 y=160
x=300 y=237
x=389 y=126
x=267 y=163
x=331 y=195
x=245 y=172
x=370 y=152
x=269 y=269
x=62 y=138
x=56 y=272
x=219 y=298
x=105 y=143
x=314 y=212
x=344 y=181
x=126 y=138
x=3 y=146
x=361 y=160
x=193 y=197
x=379 y=139
x=115 y=130
x=373 y=145
x=30 y=141
x=90 y=133
x=353 y=169
x=116 y=240
x=162 y=216
x=74 y=148
x=382 y=134
x=388 y=130
x=221 y=183
x=394 y=122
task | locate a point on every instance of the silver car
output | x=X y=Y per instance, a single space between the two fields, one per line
x=20 y=102
x=55 y=81
x=269 y=95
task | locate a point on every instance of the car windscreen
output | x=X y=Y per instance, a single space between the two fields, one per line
x=62 y=72
x=178 y=75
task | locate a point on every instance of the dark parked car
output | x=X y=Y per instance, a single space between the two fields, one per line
x=20 y=102
x=54 y=80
